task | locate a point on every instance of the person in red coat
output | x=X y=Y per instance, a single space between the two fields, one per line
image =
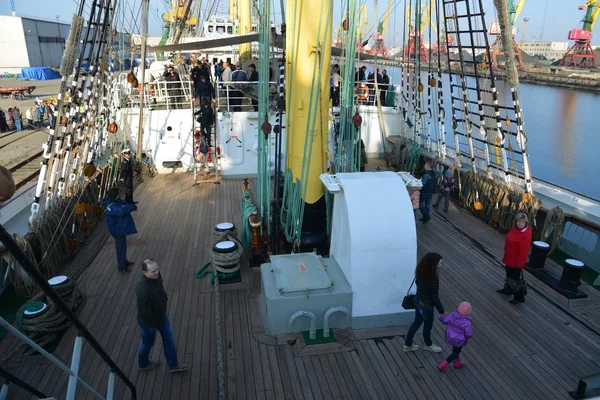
x=516 y=251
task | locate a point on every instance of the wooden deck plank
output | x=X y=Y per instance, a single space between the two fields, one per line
x=536 y=350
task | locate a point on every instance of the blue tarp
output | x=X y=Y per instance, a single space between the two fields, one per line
x=39 y=74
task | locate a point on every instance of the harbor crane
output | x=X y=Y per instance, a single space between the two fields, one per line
x=514 y=9
x=379 y=48
x=581 y=55
x=415 y=48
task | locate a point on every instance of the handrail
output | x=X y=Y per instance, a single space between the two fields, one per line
x=13 y=379
x=20 y=256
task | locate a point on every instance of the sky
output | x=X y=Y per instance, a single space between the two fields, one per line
x=561 y=15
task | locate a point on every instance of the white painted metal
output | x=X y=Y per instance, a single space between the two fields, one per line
x=48 y=356
x=374 y=240
x=111 y=386
x=75 y=362
x=4 y=392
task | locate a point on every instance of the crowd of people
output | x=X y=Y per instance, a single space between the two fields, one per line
x=364 y=86
x=38 y=116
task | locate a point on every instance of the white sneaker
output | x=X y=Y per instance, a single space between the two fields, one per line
x=433 y=348
x=411 y=348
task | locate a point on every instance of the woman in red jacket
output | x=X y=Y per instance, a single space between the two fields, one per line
x=516 y=250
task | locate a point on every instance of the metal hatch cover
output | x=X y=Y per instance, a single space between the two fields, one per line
x=300 y=273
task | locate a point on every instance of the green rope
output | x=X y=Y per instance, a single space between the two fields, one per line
x=413 y=157
x=344 y=158
x=202 y=272
x=248 y=208
x=263 y=194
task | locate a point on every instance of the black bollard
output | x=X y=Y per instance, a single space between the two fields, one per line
x=570 y=279
x=539 y=253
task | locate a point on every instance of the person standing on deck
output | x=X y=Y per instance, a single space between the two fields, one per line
x=384 y=88
x=127 y=176
x=446 y=188
x=429 y=181
x=516 y=249
x=254 y=78
x=152 y=316
x=120 y=225
x=236 y=96
x=173 y=86
x=335 y=86
x=428 y=286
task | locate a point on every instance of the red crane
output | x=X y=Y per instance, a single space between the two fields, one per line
x=581 y=55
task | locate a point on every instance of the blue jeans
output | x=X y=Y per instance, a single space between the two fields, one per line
x=446 y=196
x=422 y=314
x=148 y=339
x=19 y=125
x=121 y=245
x=425 y=205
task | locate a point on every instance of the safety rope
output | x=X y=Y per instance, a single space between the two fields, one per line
x=220 y=367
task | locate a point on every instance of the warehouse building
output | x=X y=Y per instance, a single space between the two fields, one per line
x=29 y=42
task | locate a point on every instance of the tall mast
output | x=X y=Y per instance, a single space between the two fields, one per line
x=140 y=137
x=245 y=26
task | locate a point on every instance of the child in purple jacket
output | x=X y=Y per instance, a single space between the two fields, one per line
x=458 y=332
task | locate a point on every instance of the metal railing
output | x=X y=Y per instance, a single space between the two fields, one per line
x=83 y=332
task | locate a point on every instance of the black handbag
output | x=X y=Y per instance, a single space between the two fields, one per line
x=408 y=303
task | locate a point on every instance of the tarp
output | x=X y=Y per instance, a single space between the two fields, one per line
x=39 y=74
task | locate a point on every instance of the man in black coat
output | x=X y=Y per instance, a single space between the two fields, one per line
x=152 y=316
x=254 y=78
x=127 y=176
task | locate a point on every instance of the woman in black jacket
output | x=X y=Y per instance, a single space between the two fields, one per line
x=428 y=284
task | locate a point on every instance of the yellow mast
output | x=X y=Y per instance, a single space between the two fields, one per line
x=233 y=11
x=245 y=26
x=302 y=40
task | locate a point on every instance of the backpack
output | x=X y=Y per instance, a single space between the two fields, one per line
x=203 y=145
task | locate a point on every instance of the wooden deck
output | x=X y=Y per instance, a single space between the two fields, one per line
x=536 y=350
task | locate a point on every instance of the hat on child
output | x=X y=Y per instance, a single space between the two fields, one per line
x=448 y=172
x=464 y=308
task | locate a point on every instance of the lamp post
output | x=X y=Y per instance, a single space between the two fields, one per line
x=59 y=35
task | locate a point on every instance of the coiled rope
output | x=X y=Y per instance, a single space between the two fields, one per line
x=47 y=327
x=24 y=286
x=555 y=219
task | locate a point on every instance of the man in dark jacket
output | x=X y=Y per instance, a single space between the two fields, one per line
x=254 y=78
x=429 y=181
x=152 y=316
x=206 y=118
x=205 y=90
x=120 y=224
x=173 y=87
x=127 y=176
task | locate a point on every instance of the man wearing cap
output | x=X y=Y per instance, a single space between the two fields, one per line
x=254 y=78
x=127 y=176
x=235 y=96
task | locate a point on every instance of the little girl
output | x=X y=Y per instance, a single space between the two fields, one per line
x=458 y=332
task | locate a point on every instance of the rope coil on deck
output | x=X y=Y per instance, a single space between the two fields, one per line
x=46 y=327
x=225 y=259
